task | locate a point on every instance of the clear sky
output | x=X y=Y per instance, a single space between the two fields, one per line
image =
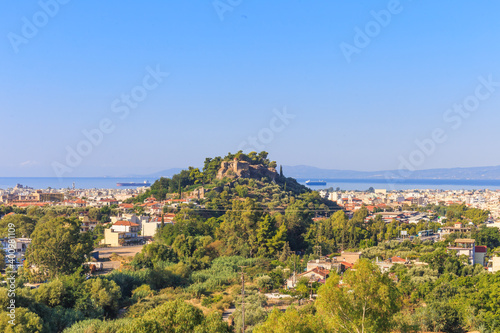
x=358 y=92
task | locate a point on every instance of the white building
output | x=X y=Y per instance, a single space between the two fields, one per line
x=20 y=247
x=122 y=233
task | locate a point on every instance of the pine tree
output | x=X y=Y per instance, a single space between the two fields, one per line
x=277 y=241
x=285 y=252
x=264 y=234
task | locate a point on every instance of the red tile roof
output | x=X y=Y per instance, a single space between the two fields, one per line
x=318 y=271
x=321 y=271
x=481 y=249
x=397 y=260
x=127 y=206
x=126 y=223
x=346 y=264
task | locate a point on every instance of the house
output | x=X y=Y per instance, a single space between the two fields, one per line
x=80 y=203
x=457 y=227
x=168 y=217
x=465 y=246
x=370 y=208
x=126 y=206
x=176 y=202
x=20 y=247
x=122 y=233
x=346 y=265
x=480 y=254
x=494 y=264
x=327 y=263
x=150 y=227
x=108 y=202
x=386 y=265
x=150 y=199
x=125 y=226
x=86 y=224
x=349 y=257
x=130 y=217
x=316 y=274
x=399 y=260
x=389 y=216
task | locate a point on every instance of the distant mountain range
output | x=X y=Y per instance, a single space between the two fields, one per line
x=168 y=173
x=476 y=173
x=310 y=172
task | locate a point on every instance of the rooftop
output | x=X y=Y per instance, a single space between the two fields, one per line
x=465 y=240
x=126 y=223
x=481 y=249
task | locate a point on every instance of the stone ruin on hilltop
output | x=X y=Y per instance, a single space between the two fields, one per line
x=243 y=169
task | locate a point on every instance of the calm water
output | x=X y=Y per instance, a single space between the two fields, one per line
x=344 y=184
x=406 y=184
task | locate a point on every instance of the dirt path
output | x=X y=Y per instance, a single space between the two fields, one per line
x=124 y=251
x=228 y=312
x=106 y=252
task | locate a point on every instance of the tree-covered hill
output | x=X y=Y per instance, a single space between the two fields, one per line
x=237 y=176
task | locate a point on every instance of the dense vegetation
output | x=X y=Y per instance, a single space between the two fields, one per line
x=192 y=271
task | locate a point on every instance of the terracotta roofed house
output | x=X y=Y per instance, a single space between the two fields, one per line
x=121 y=233
x=317 y=274
x=398 y=260
x=480 y=254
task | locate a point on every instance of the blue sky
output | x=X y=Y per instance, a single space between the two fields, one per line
x=228 y=78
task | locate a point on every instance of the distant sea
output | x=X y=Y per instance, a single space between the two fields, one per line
x=406 y=184
x=343 y=184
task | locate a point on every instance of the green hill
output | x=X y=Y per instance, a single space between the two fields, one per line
x=237 y=177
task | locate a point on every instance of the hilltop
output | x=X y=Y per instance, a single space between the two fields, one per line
x=236 y=176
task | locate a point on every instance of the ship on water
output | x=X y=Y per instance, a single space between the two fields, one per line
x=146 y=183
x=315 y=182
